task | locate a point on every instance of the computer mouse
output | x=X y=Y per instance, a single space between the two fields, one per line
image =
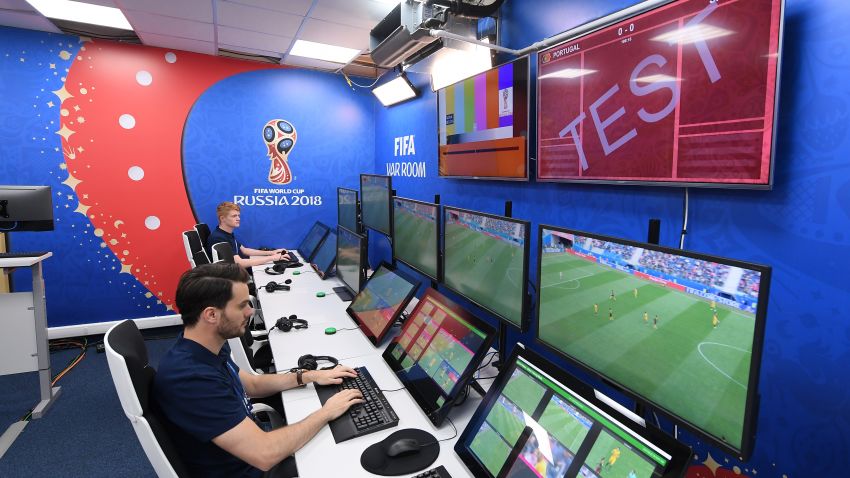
x=320 y=294
x=330 y=330
x=402 y=447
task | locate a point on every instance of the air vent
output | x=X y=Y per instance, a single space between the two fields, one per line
x=96 y=31
x=239 y=55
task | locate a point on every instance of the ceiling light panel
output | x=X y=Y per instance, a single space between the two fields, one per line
x=82 y=13
x=322 y=51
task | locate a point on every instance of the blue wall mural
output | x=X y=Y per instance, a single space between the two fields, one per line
x=226 y=157
x=800 y=228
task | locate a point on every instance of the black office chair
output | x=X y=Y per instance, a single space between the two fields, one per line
x=195 y=251
x=133 y=377
x=222 y=251
x=203 y=232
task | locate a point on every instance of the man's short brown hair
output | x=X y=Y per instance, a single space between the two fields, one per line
x=208 y=285
x=224 y=209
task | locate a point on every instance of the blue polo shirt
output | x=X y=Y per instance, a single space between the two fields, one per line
x=219 y=235
x=200 y=395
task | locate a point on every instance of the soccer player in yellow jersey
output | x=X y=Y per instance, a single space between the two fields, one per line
x=635 y=292
x=612 y=295
x=610 y=314
x=595 y=309
x=714 y=320
x=713 y=304
x=645 y=317
x=615 y=453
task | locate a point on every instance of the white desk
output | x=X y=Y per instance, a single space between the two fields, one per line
x=31 y=340
x=352 y=348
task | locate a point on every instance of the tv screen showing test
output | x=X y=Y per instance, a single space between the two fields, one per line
x=438 y=350
x=380 y=302
x=685 y=93
x=416 y=235
x=680 y=330
x=375 y=202
x=485 y=261
x=532 y=424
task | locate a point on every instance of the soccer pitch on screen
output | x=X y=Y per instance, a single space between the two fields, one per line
x=484 y=266
x=415 y=235
x=375 y=202
x=685 y=353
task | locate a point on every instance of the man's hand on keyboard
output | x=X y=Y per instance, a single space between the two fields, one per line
x=340 y=403
x=333 y=376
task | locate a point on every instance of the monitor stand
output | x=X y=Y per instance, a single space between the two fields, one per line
x=343 y=293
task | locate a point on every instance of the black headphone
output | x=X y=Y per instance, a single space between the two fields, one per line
x=285 y=324
x=276 y=269
x=311 y=362
x=274 y=286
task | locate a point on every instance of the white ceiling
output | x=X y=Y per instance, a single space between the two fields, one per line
x=258 y=27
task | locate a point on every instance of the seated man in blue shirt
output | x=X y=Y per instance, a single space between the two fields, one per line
x=204 y=396
x=229 y=217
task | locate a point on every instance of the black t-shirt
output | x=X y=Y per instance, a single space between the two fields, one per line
x=219 y=235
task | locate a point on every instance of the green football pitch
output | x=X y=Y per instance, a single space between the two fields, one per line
x=683 y=363
x=486 y=270
x=375 y=208
x=415 y=241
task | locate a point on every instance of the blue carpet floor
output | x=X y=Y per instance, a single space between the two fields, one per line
x=85 y=433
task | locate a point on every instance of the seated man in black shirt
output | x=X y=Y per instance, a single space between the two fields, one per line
x=229 y=217
x=204 y=396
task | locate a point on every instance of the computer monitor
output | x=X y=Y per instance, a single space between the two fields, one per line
x=439 y=349
x=312 y=240
x=485 y=259
x=375 y=204
x=677 y=330
x=381 y=301
x=26 y=208
x=347 y=210
x=537 y=420
x=325 y=256
x=416 y=235
x=350 y=259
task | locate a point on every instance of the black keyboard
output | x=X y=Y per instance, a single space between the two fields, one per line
x=364 y=418
x=293 y=264
x=14 y=255
x=438 y=472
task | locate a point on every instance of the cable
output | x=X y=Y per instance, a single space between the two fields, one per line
x=73 y=363
x=393 y=390
x=353 y=83
x=444 y=439
x=11 y=228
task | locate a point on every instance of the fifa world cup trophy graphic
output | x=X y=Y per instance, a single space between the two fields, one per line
x=280 y=137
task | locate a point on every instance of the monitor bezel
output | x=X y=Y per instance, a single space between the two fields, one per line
x=362 y=246
x=325 y=229
x=39 y=203
x=325 y=273
x=438 y=414
x=377 y=339
x=439 y=234
x=527 y=177
x=356 y=207
x=679 y=452
x=751 y=407
x=631 y=12
x=524 y=317
x=363 y=223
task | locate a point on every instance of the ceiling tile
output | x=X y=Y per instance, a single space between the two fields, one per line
x=359 y=13
x=253 y=51
x=197 y=10
x=164 y=41
x=16 y=5
x=255 y=40
x=29 y=21
x=103 y=3
x=335 y=34
x=170 y=26
x=258 y=19
x=296 y=7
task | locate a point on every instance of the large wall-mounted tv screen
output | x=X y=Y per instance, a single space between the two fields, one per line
x=683 y=93
x=679 y=330
x=483 y=124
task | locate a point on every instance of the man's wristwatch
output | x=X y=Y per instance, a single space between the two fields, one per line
x=299 y=377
